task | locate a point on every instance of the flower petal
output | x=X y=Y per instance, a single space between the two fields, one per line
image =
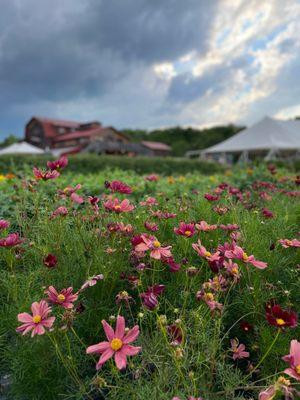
x=105 y=356
x=132 y=335
x=120 y=327
x=109 y=332
x=120 y=359
x=98 y=348
x=131 y=350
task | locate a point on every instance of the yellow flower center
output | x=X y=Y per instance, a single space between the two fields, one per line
x=245 y=256
x=36 y=319
x=288 y=242
x=117 y=207
x=209 y=296
x=187 y=233
x=116 y=344
x=156 y=243
x=297 y=368
x=280 y=321
x=207 y=254
x=234 y=270
x=61 y=298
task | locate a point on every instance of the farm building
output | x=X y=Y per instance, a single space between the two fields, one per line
x=69 y=137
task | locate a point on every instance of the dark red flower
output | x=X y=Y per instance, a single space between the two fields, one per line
x=176 y=334
x=50 y=261
x=245 y=326
x=267 y=213
x=280 y=318
x=211 y=197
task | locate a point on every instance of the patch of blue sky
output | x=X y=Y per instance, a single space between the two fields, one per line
x=261 y=43
x=182 y=67
x=222 y=36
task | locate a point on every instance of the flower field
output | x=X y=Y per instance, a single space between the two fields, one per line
x=116 y=285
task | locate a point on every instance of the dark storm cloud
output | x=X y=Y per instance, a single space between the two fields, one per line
x=51 y=50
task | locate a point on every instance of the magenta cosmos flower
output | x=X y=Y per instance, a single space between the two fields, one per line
x=156 y=250
x=38 y=321
x=240 y=254
x=91 y=282
x=187 y=230
x=294 y=360
x=4 y=224
x=118 y=186
x=64 y=298
x=58 y=164
x=45 y=175
x=13 y=239
x=117 y=344
x=117 y=206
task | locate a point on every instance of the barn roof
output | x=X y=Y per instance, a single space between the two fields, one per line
x=156 y=145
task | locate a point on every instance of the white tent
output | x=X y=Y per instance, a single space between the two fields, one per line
x=268 y=137
x=21 y=148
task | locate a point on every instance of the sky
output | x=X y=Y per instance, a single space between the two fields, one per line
x=149 y=63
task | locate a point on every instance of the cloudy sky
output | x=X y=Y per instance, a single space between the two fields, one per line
x=149 y=63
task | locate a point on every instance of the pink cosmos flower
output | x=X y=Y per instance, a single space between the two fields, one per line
x=238 y=350
x=187 y=230
x=118 y=186
x=45 y=175
x=151 y=226
x=13 y=239
x=117 y=344
x=59 y=211
x=150 y=201
x=152 y=178
x=205 y=227
x=38 y=321
x=282 y=387
x=117 y=206
x=76 y=198
x=91 y=282
x=240 y=254
x=156 y=250
x=4 y=224
x=294 y=360
x=289 y=243
x=209 y=299
x=58 y=164
x=202 y=252
x=67 y=191
x=64 y=298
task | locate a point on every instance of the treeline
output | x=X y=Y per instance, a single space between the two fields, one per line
x=184 y=139
x=180 y=139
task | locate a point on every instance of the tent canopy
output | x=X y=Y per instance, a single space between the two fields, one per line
x=21 y=148
x=267 y=134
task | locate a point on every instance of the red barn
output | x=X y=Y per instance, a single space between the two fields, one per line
x=69 y=136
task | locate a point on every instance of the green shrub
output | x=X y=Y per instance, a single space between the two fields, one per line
x=86 y=163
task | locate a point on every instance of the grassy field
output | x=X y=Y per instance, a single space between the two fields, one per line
x=194 y=264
